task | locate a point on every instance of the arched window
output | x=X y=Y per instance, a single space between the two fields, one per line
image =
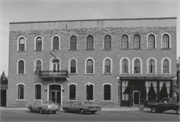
x=56 y=65
x=107 y=92
x=137 y=66
x=107 y=42
x=20 y=91
x=90 y=43
x=151 y=41
x=72 y=92
x=107 y=68
x=165 y=41
x=151 y=66
x=125 y=66
x=56 y=43
x=124 y=42
x=39 y=44
x=73 y=66
x=136 y=42
x=89 y=66
x=38 y=91
x=21 y=67
x=89 y=92
x=38 y=65
x=22 y=44
x=73 y=43
x=166 y=66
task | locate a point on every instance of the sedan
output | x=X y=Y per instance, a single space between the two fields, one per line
x=82 y=107
x=43 y=107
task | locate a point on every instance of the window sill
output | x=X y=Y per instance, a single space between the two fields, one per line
x=151 y=73
x=165 y=48
x=125 y=73
x=152 y=49
x=106 y=100
x=107 y=49
x=20 y=99
x=125 y=49
x=37 y=100
x=55 y=50
x=136 y=49
x=38 y=50
x=89 y=49
x=72 y=100
x=107 y=73
x=137 y=73
x=89 y=100
x=72 y=73
x=73 y=50
x=21 y=74
x=21 y=51
x=89 y=73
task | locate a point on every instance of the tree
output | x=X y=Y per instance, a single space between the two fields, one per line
x=4 y=79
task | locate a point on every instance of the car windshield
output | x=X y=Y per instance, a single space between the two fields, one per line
x=48 y=102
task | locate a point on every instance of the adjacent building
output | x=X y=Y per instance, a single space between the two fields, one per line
x=112 y=62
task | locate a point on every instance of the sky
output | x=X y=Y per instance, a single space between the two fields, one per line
x=52 y=10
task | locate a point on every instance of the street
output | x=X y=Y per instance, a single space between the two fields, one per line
x=26 y=115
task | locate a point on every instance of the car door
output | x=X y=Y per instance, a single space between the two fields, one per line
x=36 y=106
x=72 y=106
x=163 y=104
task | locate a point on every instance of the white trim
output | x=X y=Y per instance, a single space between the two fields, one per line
x=139 y=40
x=18 y=91
x=106 y=84
x=35 y=64
x=86 y=90
x=93 y=65
x=104 y=40
x=51 y=64
x=103 y=65
x=20 y=84
x=169 y=65
x=35 y=42
x=18 y=66
x=141 y=68
x=70 y=42
x=120 y=68
x=155 y=40
x=59 y=42
x=41 y=91
x=162 y=40
x=147 y=65
x=93 y=42
x=18 y=43
x=69 y=65
x=69 y=91
x=110 y=92
x=128 y=41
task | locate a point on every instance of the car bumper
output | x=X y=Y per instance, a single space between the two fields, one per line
x=51 y=109
x=92 y=110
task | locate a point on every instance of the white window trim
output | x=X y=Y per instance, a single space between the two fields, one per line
x=51 y=64
x=69 y=65
x=86 y=90
x=76 y=42
x=133 y=65
x=93 y=65
x=103 y=65
x=133 y=41
x=155 y=40
x=18 y=43
x=147 y=64
x=170 y=71
x=129 y=46
x=104 y=40
x=69 y=91
x=41 y=91
x=110 y=93
x=18 y=67
x=169 y=40
x=18 y=91
x=35 y=42
x=93 y=42
x=120 y=68
x=59 y=42
x=35 y=64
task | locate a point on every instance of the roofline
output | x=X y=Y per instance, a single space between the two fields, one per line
x=91 y=20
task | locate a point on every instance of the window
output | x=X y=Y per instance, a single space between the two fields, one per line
x=90 y=43
x=22 y=44
x=137 y=66
x=20 y=91
x=38 y=91
x=72 y=92
x=151 y=41
x=166 y=66
x=151 y=66
x=124 y=42
x=73 y=43
x=107 y=42
x=38 y=65
x=56 y=43
x=136 y=42
x=107 y=68
x=39 y=44
x=73 y=66
x=125 y=66
x=56 y=65
x=165 y=41
x=21 y=67
x=89 y=92
x=107 y=92
x=89 y=68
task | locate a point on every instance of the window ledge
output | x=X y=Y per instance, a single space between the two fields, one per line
x=73 y=50
x=125 y=73
x=20 y=99
x=165 y=48
x=89 y=73
x=107 y=73
x=151 y=73
x=71 y=100
x=89 y=49
x=125 y=49
x=106 y=100
x=136 y=49
x=72 y=73
x=55 y=50
x=38 y=50
x=90 y=100
x=21 y=74
x=37 y=100
x=152 y=49
x=107 y=49
x=21 y=51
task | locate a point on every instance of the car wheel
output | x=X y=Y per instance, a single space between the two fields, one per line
x=81 y=111
x=54 y=112
x=40 y=111
x=153 y=109
x=66 y=110
x=31 y=110
x=177 y=111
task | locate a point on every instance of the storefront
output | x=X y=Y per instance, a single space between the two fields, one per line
x=138 y=90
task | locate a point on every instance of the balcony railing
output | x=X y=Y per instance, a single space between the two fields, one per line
x=53 y=74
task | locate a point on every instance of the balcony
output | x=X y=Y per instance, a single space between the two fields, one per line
x=53 y=74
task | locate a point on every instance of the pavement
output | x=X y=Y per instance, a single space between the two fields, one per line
x=103 y=109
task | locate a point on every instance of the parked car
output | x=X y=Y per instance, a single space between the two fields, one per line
x=82 y=107
x=163 y=105
x=43 y=107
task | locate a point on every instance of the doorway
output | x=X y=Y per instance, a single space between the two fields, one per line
x=3 y=98
x=55 y=94
x=136 y=98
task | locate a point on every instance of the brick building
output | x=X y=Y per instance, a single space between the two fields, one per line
x=112 y=62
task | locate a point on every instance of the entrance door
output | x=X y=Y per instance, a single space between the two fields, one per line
x=3 y=97
x=55 y=96
x=136 y=98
